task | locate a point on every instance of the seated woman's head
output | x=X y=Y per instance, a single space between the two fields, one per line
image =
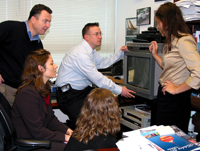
x=38 y=69
x=99 y=115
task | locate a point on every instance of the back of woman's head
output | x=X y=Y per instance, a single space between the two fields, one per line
x=32 y=74
x=99 y=115
x=172 y=19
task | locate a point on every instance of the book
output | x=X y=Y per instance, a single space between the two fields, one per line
x=169 y=138
x=156 y=146
x=179 y=132
x=173 y=142
x=151 y=132
x=182 y=134
x=143 y=108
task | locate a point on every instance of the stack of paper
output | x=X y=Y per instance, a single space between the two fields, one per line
x=157 y=138
x=135 y=141
x=190 y=9
x=165 y=130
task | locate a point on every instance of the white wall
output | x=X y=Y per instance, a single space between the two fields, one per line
x=127 y=9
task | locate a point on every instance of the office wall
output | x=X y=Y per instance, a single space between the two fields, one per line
x=127 y=9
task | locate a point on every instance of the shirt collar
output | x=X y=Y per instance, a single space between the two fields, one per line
x=29 y=33
x=89 y=48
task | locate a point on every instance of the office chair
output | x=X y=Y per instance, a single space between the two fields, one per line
x=8 y=140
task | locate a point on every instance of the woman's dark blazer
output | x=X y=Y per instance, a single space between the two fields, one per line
x=33 y=119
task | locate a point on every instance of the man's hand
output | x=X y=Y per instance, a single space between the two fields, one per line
x=1 y=79
x=127 y=93
x=124 y=48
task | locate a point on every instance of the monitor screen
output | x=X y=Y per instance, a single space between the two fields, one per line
x=141 y=73
x=138 y=72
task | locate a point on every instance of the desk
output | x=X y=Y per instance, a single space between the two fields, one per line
x=108 y=149
x=118 y=81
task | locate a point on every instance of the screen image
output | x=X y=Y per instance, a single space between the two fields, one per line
x=138 y=72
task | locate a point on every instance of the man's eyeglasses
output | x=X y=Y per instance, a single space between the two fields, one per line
x=96 y=34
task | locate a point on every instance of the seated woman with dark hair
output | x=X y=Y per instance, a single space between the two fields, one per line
x=97 y=124
x=32 y=112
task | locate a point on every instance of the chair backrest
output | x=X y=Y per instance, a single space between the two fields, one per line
x=7 y=131
x=4 y=102
x=8 y=135
x=1 y=138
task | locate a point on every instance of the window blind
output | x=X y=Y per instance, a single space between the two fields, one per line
x=68 y=19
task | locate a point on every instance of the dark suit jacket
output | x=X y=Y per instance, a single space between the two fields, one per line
x=33 y=119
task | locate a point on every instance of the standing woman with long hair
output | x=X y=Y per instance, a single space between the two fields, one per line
x=32 y=112
x=98 y=122
x=181 y=67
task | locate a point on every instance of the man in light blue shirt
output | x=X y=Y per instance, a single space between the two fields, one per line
x=78 y=70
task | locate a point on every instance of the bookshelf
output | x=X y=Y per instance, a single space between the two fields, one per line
x=193 y=24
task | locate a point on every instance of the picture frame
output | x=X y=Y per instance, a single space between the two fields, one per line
x=143 y=16
x=155 y=23
x=131 y=26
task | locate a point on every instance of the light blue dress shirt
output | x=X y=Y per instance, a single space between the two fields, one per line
x=29 y=33
x=79 y=68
